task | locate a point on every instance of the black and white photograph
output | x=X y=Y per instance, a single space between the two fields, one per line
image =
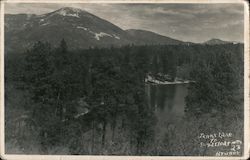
x=125 y=79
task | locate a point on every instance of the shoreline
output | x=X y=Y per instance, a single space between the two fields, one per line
x=156 y=82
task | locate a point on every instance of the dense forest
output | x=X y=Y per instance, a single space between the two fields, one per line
x=93 y=101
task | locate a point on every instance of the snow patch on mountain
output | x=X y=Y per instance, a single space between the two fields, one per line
x=72 y=9
x=116 y=37
x=45 y=24
x=73 y=12
x=101 y=34
x=80 y=27
x=65 y=13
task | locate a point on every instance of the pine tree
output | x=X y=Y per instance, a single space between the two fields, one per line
x=38 y=72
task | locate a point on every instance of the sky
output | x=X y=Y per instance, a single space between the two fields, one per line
x=186 y=22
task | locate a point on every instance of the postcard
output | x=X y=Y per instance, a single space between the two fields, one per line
x=124 y=79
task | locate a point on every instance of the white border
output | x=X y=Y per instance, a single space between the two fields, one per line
x=2 y=79
x=246 y=82
x=124 y=1
x=62 y=157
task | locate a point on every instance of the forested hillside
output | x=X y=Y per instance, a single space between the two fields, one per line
x=93 y=101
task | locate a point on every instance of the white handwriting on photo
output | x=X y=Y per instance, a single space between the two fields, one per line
x=223 y=140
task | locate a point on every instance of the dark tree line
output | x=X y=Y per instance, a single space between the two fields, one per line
x=219 y=81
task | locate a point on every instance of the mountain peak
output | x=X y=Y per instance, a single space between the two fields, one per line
x=78 y=27
x=69 y=11
x=216 y=41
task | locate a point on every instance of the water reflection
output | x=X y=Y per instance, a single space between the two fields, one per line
x=168 y=104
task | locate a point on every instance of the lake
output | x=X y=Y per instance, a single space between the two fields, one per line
x=168 y=103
